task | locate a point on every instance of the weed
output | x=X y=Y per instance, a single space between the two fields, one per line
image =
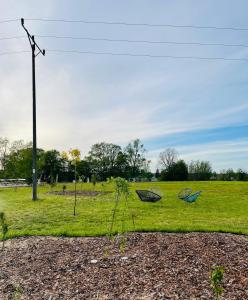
x=4 y=227
x=18 y=292
x=217 y=275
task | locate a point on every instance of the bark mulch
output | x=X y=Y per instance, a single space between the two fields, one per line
x=152 y=266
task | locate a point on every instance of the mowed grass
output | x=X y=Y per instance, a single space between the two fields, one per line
x=222 y=207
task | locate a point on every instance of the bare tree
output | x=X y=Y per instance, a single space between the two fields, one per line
x=168 y=157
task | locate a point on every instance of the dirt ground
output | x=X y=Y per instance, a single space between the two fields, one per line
x=150 y=266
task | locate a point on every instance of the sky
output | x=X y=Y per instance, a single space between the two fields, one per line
x=197 y=106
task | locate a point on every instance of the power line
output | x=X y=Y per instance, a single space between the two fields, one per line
x=14 y=52
x=147 y=55
x=130 y=55
x=128 y=41
x=137 y=24
x=128 y=24
x=9 y=20
x=12 y=37
x=141 y=41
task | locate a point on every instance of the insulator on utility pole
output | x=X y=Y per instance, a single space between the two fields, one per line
x=34 y=46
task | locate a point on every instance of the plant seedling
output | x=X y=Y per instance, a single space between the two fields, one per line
x=217 y=275
x=4 y=227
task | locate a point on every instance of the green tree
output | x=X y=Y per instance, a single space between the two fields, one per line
x=200 y=170
x=52 y=165
x=241 y=175
x=104 y=159
x=135 y=157
x=18 y=164
x=177 y=171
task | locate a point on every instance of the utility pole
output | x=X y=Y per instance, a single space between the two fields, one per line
x=34 y=46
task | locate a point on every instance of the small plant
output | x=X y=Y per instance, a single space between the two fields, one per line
x=4 y=227
x=122 y=193
x=82 y=179
x=64 y=188
x=74 y=157
x=94 y=180
x=52 y=183
x=216 y=277
x=18 y=292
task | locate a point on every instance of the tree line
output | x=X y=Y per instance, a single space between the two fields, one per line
x=105 y=160
x=175 y=169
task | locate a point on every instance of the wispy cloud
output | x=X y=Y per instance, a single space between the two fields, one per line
x=85 y=99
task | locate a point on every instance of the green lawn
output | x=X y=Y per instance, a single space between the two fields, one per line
x=223 y=206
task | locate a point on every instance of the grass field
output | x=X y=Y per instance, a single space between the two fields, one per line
x=223 y=207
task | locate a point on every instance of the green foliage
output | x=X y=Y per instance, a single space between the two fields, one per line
x=216 y=277
x=18 y=291
x=64 y=188
x=200 y=170
x=176 y=171
x=135 y=157
x=122 y=191
x=4 y=226
x=52 y=165
x=18 y=164
x=106 y=159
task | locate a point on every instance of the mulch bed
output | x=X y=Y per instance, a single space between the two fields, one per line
x=153 y=266
x=80 y=193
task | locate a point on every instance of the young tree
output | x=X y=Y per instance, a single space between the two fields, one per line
x=74 y=157
x=167 y=158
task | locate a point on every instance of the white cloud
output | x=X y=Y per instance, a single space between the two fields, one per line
x=222 y=155
x=82 y=100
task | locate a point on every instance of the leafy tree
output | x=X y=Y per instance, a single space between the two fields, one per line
x=84 y=169
x=200 y=170
x=157 y=173
x=52 y=165
x=241 y=175
x=135 y=156
x=18 y=164
x=104 y=159
x=227 y=175
x=177 y=171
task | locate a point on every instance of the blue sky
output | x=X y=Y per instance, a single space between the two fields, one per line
x=199 y=107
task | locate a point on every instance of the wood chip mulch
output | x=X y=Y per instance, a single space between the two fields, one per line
x=152 y=266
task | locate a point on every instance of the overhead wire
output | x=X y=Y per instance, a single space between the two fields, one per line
x=127 y=40
x=128 y=24
x=137 y=24
x=130 y=55
x=146 y=55
x=14 y=52
x=9 y=20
